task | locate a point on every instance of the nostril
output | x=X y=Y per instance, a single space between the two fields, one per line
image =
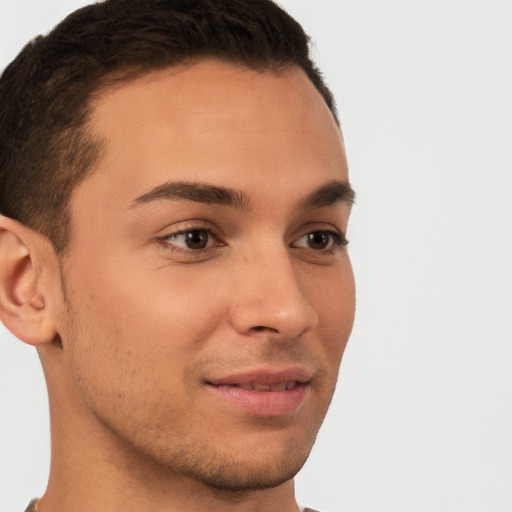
x=260 y=328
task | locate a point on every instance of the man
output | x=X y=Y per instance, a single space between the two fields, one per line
x=174 y=196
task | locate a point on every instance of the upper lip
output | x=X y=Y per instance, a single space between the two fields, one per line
x=264 y=376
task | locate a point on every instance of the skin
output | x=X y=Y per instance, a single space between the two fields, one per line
x=133 y=325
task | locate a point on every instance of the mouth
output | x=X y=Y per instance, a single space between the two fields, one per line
x=263 y=393
x=256 y=386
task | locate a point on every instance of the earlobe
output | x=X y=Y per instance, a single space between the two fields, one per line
x=22 y=300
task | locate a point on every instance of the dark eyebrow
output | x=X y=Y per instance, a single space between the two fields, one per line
x=199 y=192
x=326 y=195
x=329 y=194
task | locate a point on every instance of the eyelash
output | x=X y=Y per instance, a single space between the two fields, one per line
x=166 y=240
x=338 y=240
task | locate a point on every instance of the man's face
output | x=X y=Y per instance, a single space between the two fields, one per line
x=209 y=293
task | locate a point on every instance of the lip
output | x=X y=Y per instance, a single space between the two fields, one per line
x=250 y=391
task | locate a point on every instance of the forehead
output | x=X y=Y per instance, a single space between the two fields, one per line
x=215 y=122
x=209 y=86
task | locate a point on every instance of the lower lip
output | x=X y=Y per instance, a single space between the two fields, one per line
x=264 y=403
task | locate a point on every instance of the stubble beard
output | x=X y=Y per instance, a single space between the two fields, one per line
x=224 y=473
x=172 y=453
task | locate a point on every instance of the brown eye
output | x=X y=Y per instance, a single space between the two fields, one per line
x=197 y=239
x=318 y=240
x=193 y=239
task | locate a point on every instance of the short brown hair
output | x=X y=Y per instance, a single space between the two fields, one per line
x=46 y=92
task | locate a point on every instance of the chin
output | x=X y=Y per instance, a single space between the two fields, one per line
x=234 y=476
x=256 y=466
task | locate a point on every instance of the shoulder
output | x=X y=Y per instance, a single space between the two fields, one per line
x=32 y=506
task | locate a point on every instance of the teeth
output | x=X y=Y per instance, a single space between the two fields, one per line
x=261 y=387
x=247 y=385
x=282 y=386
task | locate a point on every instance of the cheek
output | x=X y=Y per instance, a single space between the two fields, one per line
x=335 y=306
x=149 y=315
x=132 y=348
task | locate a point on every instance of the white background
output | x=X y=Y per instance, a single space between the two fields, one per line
x=422 y=420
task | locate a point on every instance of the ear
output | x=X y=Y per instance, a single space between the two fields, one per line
x=23 y=305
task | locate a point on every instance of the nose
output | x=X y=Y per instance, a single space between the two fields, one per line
x=269 y=299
